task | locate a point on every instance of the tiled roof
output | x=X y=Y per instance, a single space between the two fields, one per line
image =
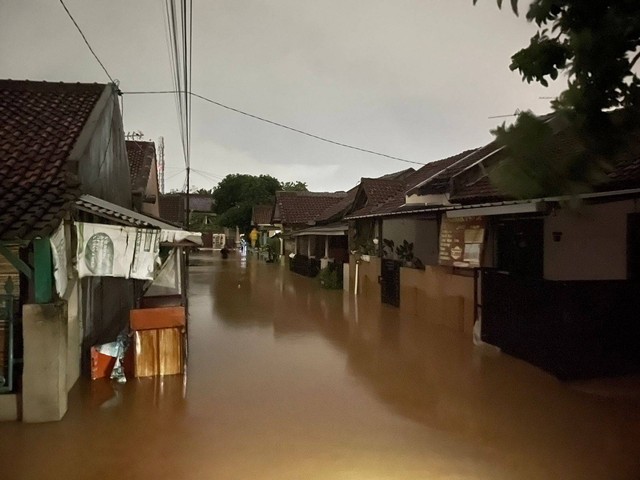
x=625 y=174
x=172 y=205
x=199 y=202
x=141 y=156
x=394 y=203
x=39 y=125
x=261 y=215
x=172 y=208
x=439 y=182
x=337 y=210
x=300 y=208
x=377 y=192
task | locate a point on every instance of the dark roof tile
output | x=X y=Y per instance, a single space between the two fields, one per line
x=39 y=125
x=261 y=215
x=141 y=157
x=302 y=208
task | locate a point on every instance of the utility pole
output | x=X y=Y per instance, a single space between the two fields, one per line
x=161 y=164
x=186 y=222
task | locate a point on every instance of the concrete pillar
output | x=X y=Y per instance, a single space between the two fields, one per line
x=326 y=246
x=74 y=334
x=44 y=380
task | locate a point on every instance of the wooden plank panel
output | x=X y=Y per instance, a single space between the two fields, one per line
x=154 y=318
x=158 y=352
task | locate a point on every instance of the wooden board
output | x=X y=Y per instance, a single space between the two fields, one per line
x=158 y=352
x=155 y=318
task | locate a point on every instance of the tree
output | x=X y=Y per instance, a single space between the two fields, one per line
x=596 y=44
x=294 y=186
x=236 y=194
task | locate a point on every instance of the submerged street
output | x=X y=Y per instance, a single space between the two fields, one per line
x=289 y=381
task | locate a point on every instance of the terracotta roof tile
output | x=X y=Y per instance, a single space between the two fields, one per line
x=39 y=125
x=394 y=203
x=625 y=174
x=261 y=215
x=301 y=208
x=141 y=156
x=172 y=208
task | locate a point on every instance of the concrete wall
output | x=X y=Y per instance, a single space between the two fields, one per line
x=593 y=245
x=74 y=334
x=103 y=167
x=434 y=294
x=438 y=296
x=44 y=390
x=152 y=189
x=423 y=233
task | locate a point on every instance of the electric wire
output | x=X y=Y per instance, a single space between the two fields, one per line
x=86 y=41
x=281 y=125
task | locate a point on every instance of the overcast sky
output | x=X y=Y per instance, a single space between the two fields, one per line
x=416 y=79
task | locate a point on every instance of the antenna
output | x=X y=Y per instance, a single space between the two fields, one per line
x=161 y=163
x=135 y=135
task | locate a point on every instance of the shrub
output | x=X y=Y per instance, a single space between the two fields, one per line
x=331 y=277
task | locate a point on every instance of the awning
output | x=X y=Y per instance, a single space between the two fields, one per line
x=171 y=234
x=118 y=214
x=328 y=230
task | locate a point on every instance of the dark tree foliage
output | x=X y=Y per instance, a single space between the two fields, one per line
x=596 y=44
x=294 y=186
x=236 y=195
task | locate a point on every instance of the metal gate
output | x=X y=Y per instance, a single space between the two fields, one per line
x=7 y=342
x=573 y=329
x=390 y=282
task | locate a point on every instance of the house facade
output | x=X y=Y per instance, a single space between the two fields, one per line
x=143 y=169
x=550 y=280
x=63 y=164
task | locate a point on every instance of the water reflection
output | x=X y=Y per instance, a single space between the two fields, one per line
x=288 y=381
x=434 y=376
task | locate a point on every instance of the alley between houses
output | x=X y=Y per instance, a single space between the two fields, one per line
x=289 y=381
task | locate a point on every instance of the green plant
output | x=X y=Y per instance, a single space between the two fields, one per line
x=405 y=251
x=330 y=278
x=388 y=247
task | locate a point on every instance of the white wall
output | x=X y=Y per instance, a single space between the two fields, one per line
x=422 y=232
x=593 y=244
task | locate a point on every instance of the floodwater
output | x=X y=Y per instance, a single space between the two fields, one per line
x=289 y=381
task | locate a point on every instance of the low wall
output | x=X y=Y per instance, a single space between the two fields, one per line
x=438 y=296
x=433 y=294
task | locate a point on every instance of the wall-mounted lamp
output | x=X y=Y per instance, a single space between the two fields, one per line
x=557 y=236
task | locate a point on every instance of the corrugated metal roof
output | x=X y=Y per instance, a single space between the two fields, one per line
x=119 y=214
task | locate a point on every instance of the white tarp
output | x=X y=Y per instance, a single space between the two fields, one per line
x=168 y=276
x=59 y=253
x=103 y=250
x=112 y=251
x=146 y=254
x=176 y=236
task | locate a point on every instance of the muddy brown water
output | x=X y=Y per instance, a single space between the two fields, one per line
x=289 y=381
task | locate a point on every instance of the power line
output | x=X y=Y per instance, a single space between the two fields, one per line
x=281 y=125
x=86 y=41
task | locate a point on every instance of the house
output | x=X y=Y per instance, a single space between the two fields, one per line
x=294 y=211
x=560 y=285
x=63 y=162
x=261 y=221
x=143 y=168
x=381 y=231
x=173 y=208
x=552 y=284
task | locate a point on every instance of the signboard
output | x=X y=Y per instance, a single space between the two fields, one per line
x=461 y=241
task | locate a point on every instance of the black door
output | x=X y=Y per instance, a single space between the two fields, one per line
x=633 y=246
x=390 y=282
x=520 y=247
